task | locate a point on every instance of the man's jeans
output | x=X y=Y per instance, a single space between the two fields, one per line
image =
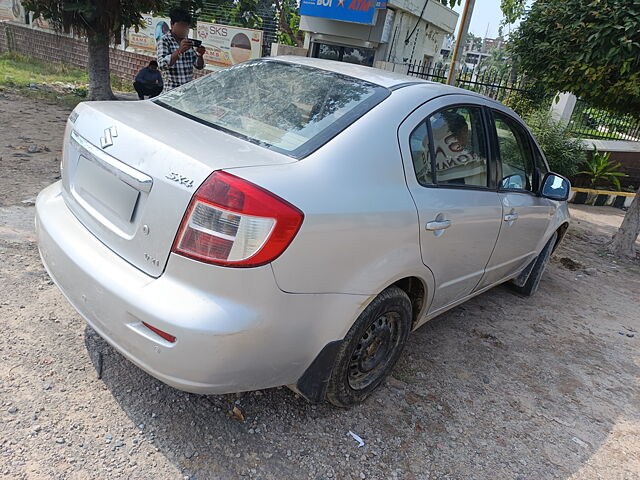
x=146 y=89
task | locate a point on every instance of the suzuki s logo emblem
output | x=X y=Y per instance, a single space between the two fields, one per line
x=107 y=140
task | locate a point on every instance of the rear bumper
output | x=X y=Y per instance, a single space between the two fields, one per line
x=235 y=329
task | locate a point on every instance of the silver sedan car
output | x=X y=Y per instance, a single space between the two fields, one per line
x=289 y=221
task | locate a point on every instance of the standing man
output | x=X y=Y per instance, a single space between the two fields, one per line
x=148 y=81
x=176 y=55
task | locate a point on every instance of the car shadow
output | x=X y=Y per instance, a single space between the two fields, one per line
x=500 y=387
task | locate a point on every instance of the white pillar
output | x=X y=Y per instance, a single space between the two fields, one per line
x=562 y=107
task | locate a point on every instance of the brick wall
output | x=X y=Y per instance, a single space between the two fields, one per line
x=629 y=164
x=50 y=47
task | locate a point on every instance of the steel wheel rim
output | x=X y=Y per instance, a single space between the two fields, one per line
x=374 y=350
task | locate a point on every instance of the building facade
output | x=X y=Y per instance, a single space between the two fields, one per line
x=400 y=31
x=489 y=44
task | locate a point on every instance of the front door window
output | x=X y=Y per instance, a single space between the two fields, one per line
x=515 y=154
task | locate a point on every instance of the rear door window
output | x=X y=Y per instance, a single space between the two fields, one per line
x=450 y=149
x=421 y=154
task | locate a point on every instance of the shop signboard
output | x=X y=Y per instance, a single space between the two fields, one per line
x=227 y=45
x=146 y=37
x=355 y=11
x=11 y=10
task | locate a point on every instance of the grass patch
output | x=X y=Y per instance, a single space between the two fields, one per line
x=18 y=70
x=119 y=85
x=69 y=100
x=48 y=81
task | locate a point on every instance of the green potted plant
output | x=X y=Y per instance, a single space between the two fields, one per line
x=600 y=171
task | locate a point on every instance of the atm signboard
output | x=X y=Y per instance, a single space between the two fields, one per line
x=355 y=11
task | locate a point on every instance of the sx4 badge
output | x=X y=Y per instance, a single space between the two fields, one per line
x=176 y=177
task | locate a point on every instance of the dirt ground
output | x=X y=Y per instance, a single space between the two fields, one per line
x=502 y=387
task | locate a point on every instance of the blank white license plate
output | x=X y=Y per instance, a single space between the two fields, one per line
x=104 y=191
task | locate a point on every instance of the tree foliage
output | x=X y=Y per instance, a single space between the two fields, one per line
x=288 y=14
x=512 y=10
x=498 y=62
x=473 y=42
x=588 y=47
x=242 y=13
x=93 y=17
x=564 y=153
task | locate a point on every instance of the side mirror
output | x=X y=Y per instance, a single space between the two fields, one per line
x=555 y=187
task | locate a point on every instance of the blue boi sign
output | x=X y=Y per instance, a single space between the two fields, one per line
x=356 y=11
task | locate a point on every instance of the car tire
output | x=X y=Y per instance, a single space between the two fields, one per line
x=530 y=286
x=371 y=348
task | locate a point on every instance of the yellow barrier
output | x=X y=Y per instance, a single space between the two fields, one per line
x=603 y=192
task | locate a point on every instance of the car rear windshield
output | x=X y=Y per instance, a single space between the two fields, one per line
x=292 y=109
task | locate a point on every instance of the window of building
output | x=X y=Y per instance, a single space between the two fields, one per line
x=341 y=53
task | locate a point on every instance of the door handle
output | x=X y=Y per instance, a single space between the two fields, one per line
x=438 y=225
x=510 y=217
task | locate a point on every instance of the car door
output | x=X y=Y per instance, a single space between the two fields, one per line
x=445 y=150
x=525 y=214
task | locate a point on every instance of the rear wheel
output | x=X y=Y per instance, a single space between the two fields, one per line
x=530 y=286
x=371 y=348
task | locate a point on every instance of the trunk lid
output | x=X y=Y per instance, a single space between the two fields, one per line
x=130 y=169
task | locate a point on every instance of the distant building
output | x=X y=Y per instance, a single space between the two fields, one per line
x=367 y=32
x=471 y=57
x=447 y=47
x=489 y=44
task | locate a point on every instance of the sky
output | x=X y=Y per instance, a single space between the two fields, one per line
x=485 y=12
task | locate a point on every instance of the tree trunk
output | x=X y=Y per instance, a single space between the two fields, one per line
x=98 y=68
x=285 y=27
x=624 y=241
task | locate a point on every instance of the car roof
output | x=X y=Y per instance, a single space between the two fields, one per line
x=380 y=77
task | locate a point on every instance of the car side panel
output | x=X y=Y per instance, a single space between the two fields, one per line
x=522 y=239
x=235 y=330
x=360 y=231
x=457 y=255
x=518 y=240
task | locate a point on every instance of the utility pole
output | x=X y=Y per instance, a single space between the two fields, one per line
x=462 y=36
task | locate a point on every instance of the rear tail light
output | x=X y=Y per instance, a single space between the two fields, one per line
x=232 y=222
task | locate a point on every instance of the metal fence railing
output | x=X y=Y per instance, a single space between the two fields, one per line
x=588 y=121
x=503 y=86
x=521 y=94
